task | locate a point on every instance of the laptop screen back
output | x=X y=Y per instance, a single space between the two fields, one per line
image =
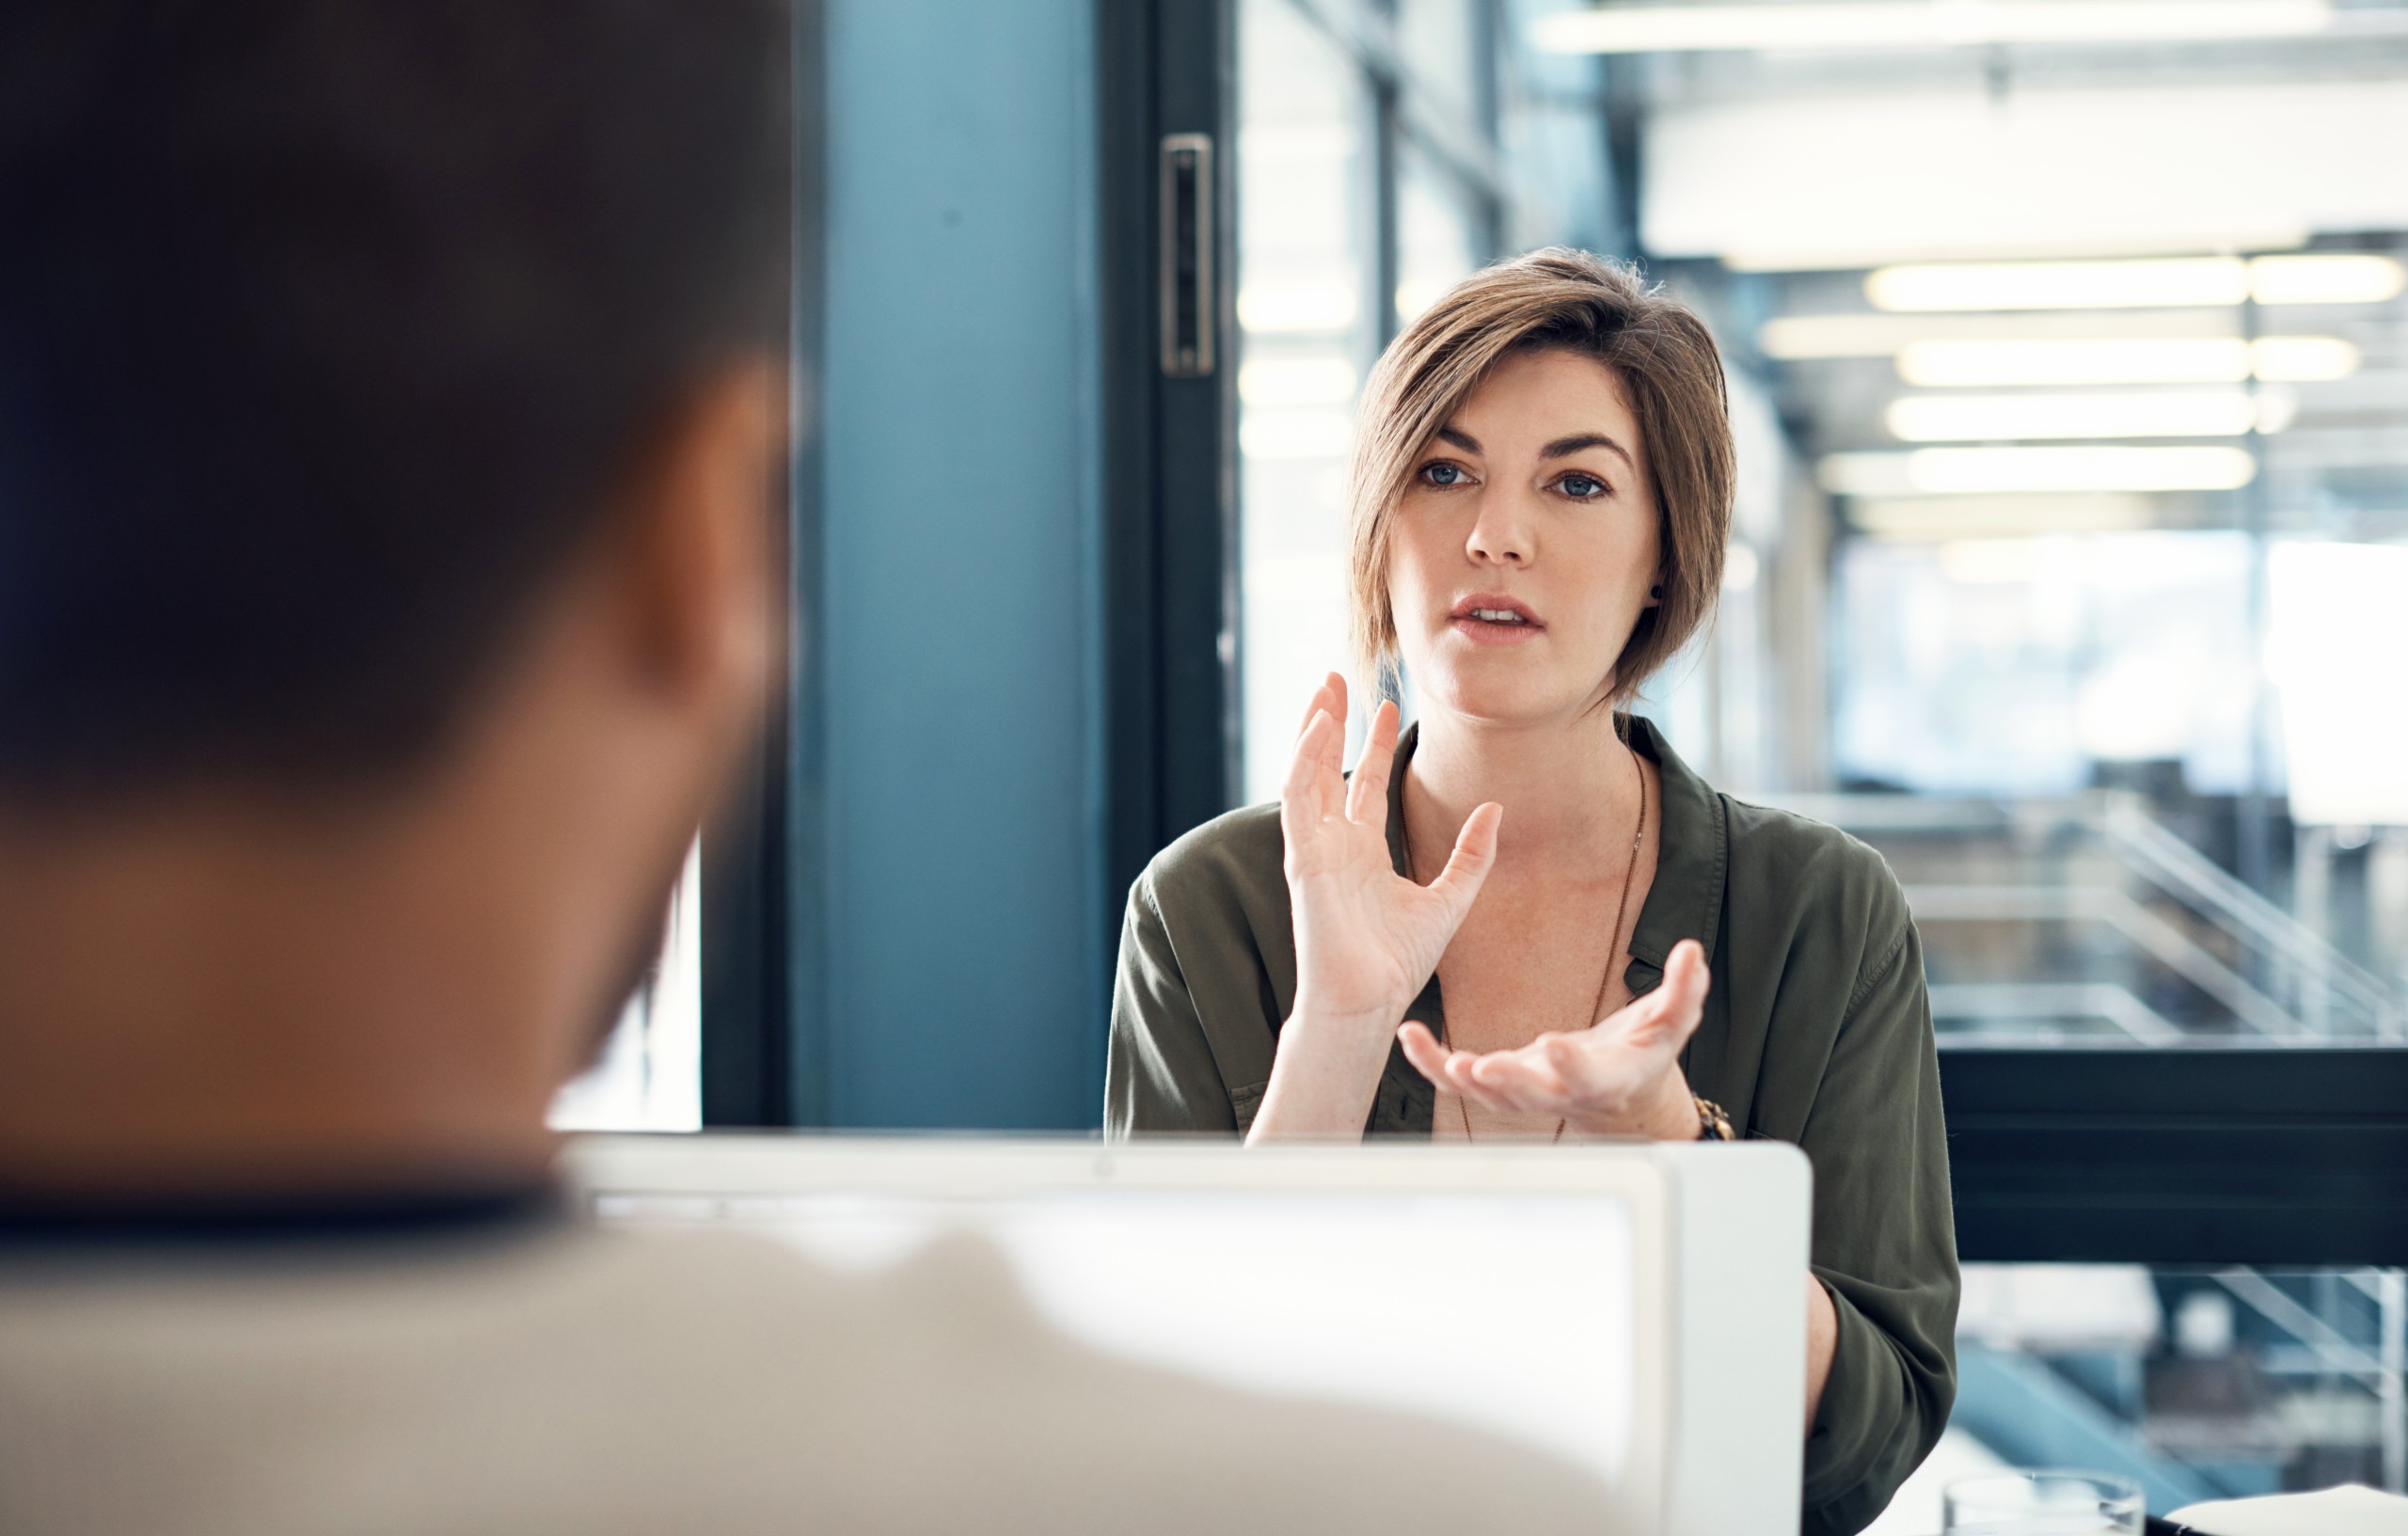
x=1513 y=1313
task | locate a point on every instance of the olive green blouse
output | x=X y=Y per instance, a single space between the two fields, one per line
x=1817 y=1030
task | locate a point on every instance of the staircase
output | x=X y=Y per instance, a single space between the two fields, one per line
x=2085 y=919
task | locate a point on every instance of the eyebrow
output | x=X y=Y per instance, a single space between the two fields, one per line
x=1561 y=448
x=1565 y=447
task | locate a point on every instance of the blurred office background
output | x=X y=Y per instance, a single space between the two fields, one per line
x=2068 y=355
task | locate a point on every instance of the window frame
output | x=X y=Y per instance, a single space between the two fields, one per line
x=2290 y=1156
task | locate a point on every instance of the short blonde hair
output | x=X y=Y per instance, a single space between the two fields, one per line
x=1568 y=299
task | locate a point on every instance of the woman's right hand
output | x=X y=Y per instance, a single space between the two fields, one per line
x=1366 y=938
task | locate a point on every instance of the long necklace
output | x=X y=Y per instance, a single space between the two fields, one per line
x=1614 y=939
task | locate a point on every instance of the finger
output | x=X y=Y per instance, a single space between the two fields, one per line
x=1570 y=1062
x=1422 y=1050
x=1473 y=1094
x=1643 y=1025
x=1575 y=1061
x=1680 y=1002
x=1468 y=865
x=1332 y=752
x=1317 y=705
x=1366 y=793
x=1322 y=699
x=1462 y=1081
x=1303 y=798
x=1526 y=1077
x=1676 y=1006
x=1686 y=966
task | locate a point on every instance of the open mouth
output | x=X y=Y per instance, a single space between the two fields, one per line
x=1492 y=616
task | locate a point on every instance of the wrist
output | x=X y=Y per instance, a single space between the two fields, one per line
x=1324 y=1043
x=1311 y=1016
x=1664 y=1111
x=1673 y=1116
x=1324 y=1074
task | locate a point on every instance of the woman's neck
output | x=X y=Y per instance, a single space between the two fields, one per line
x=1569 y=788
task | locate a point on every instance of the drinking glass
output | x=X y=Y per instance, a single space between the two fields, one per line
x=2042 y=1504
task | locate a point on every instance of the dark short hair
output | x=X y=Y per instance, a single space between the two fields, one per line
x=325 y=328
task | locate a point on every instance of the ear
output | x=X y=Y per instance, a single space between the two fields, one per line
x=701 y=540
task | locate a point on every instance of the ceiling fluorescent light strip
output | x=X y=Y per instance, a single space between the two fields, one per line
x=1990 y=471
x=1956 y=517
x=1803 y=337
x=2177 y=282
x=1956 y=364
x=1992 y=419
x=1642 y=29
x=1314 y=380
x=1829 y=251
x=2326 y=277
x=1296 y=308
x=2303 y=359
x=2170 y=283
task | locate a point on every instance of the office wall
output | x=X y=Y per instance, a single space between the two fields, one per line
x=956 y=974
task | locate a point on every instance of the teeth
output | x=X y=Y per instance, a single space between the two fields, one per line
x=1497 y=615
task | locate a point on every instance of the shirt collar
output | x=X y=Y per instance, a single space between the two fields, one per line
x=1692 y=857
x=256 y=1221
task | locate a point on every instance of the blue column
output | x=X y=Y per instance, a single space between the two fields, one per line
x=961 y=948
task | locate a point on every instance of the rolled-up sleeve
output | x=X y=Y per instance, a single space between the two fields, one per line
x=1885 y=1243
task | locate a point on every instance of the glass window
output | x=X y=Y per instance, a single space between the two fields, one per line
x=2199 y=1384
x=2070 y=588
x=1445 y=53
x=1308 y=333
x=648 y=1075
x=2033 y=665
x=1437 y=234
x=1336 y=131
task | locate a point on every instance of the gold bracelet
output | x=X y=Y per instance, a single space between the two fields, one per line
x=1713 y=1121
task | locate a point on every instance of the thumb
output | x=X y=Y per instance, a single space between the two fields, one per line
x=1684 y=971
x=1468 y=865
x=1680 y=1002
x=1673 y=1009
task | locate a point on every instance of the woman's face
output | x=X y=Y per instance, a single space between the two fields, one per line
x=1523 y=549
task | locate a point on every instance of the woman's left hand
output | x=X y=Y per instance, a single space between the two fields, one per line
x=1621 y=1077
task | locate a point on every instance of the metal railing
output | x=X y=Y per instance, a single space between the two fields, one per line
x=2085 y=918
x=2035 y=1397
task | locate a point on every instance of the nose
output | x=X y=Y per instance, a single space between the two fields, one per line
x=1500 y=533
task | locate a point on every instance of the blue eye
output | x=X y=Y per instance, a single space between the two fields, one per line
x=1582 y=487
x=1442 y=474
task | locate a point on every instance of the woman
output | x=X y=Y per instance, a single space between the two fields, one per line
x=1541 y=497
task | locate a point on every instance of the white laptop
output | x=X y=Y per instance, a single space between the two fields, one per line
x=1638 y=1310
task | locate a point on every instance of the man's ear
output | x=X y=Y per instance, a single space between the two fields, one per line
x=701 y=538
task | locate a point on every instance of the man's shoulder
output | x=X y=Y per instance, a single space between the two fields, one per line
x=643 y=1381
x=653 y=1379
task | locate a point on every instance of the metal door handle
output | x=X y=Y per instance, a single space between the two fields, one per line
x=1188 y=293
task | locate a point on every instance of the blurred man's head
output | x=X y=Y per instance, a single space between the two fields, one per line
x=386 y=425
